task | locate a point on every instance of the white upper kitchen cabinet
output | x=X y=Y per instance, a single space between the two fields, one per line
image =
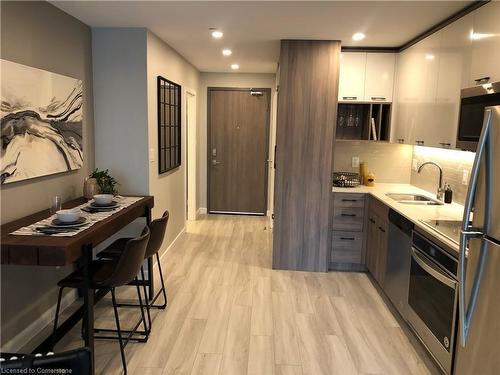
x=352 y=76
x=408 y=92
x=379 y=76
x=486 y=43
x=427 y=58
x=454 y=74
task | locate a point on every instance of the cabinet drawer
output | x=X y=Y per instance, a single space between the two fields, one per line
x=348 y=218
x=349 y=200
x=347 y=247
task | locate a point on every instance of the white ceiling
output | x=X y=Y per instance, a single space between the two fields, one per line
x=252 y=29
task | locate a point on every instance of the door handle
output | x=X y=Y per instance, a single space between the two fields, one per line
x=431 y=270
x=482 y=80
x=215 y=162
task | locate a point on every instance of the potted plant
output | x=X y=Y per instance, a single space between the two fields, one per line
x=107 y=183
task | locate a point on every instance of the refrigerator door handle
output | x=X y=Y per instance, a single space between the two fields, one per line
x=466 y=312
x=469 y=200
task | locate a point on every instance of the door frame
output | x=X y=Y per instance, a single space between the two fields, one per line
x=268 y=90
x=191 y=155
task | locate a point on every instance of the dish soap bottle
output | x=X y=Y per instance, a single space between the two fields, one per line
x=448 y=193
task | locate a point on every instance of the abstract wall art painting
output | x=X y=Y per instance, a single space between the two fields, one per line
x=41 y=122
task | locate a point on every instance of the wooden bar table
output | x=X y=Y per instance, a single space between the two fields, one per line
x=46 y=250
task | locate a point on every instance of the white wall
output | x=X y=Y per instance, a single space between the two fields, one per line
x=238 y=80
x=169 y=188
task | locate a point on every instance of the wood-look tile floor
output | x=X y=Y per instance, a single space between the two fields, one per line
x=229 y=313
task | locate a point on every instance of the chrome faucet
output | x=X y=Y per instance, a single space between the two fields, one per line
x=440 y=191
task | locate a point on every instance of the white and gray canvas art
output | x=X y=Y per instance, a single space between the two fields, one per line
x=41 y=122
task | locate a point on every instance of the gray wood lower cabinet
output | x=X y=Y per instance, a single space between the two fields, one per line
x=349 y=234
x=305 y=131
x=376 y=238
x=359 y=237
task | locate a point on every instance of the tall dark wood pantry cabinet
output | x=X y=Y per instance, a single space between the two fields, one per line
x=307 y=106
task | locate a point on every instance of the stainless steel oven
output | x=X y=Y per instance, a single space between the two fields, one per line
x=433 y=298
x=472 y=104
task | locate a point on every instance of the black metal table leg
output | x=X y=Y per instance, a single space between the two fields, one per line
x=88 y=301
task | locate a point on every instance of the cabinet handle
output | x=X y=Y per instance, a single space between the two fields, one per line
x=347 y=238
x=401 y=140
x=349 y=97
x=444 y=144
x=378 y=98
x=482 y=80
x=381 y=229
x=349 y=200
x=371 y=220
x=419 y=142
x=348 y=215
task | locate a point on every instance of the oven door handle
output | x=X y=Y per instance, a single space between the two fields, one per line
x=432 y=270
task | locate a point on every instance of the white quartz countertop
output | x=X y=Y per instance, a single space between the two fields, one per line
x=412 y=212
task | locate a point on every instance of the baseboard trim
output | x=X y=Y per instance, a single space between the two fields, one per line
x=26 y=335
x=183 y=231
x=201 y=211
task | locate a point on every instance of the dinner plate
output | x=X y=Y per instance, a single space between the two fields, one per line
x=113 y=204
x=75 y=224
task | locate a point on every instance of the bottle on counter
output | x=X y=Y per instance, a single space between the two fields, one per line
x=363 y=168
x=448 y=193
x=370 y=179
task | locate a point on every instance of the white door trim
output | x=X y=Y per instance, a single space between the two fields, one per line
x=191 y=143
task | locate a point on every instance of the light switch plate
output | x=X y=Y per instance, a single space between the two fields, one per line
x=465 y=177
x=152 y=154
x=355 y=162
x=414 y=164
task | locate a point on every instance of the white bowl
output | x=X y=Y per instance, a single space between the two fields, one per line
x=103 y=198
x=68 y=216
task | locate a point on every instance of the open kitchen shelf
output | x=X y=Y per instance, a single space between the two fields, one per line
x=354 y=121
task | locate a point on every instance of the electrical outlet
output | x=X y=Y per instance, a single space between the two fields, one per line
x=414 y=165
x=465 y=177
x=355 y=162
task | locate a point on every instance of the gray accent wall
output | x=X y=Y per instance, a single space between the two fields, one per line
x=120 y=105
x=42 y=36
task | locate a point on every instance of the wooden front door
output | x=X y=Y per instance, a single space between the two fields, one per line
x=238 y=122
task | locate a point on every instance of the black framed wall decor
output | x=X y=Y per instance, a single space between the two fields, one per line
x=169 y=125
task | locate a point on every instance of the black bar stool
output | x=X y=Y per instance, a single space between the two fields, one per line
x=157 y=229
x=110 y=274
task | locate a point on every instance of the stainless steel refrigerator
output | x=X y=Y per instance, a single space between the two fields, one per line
x=478 y=347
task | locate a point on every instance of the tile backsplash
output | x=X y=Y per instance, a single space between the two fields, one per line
x=389 y=162
x=453 y=163
x=393 y=163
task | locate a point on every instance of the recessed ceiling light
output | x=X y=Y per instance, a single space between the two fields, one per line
x=227 y=52
x=358 y=36
x=217 y=34
x=235 y=66
x=429 y=56
x=478 y=36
